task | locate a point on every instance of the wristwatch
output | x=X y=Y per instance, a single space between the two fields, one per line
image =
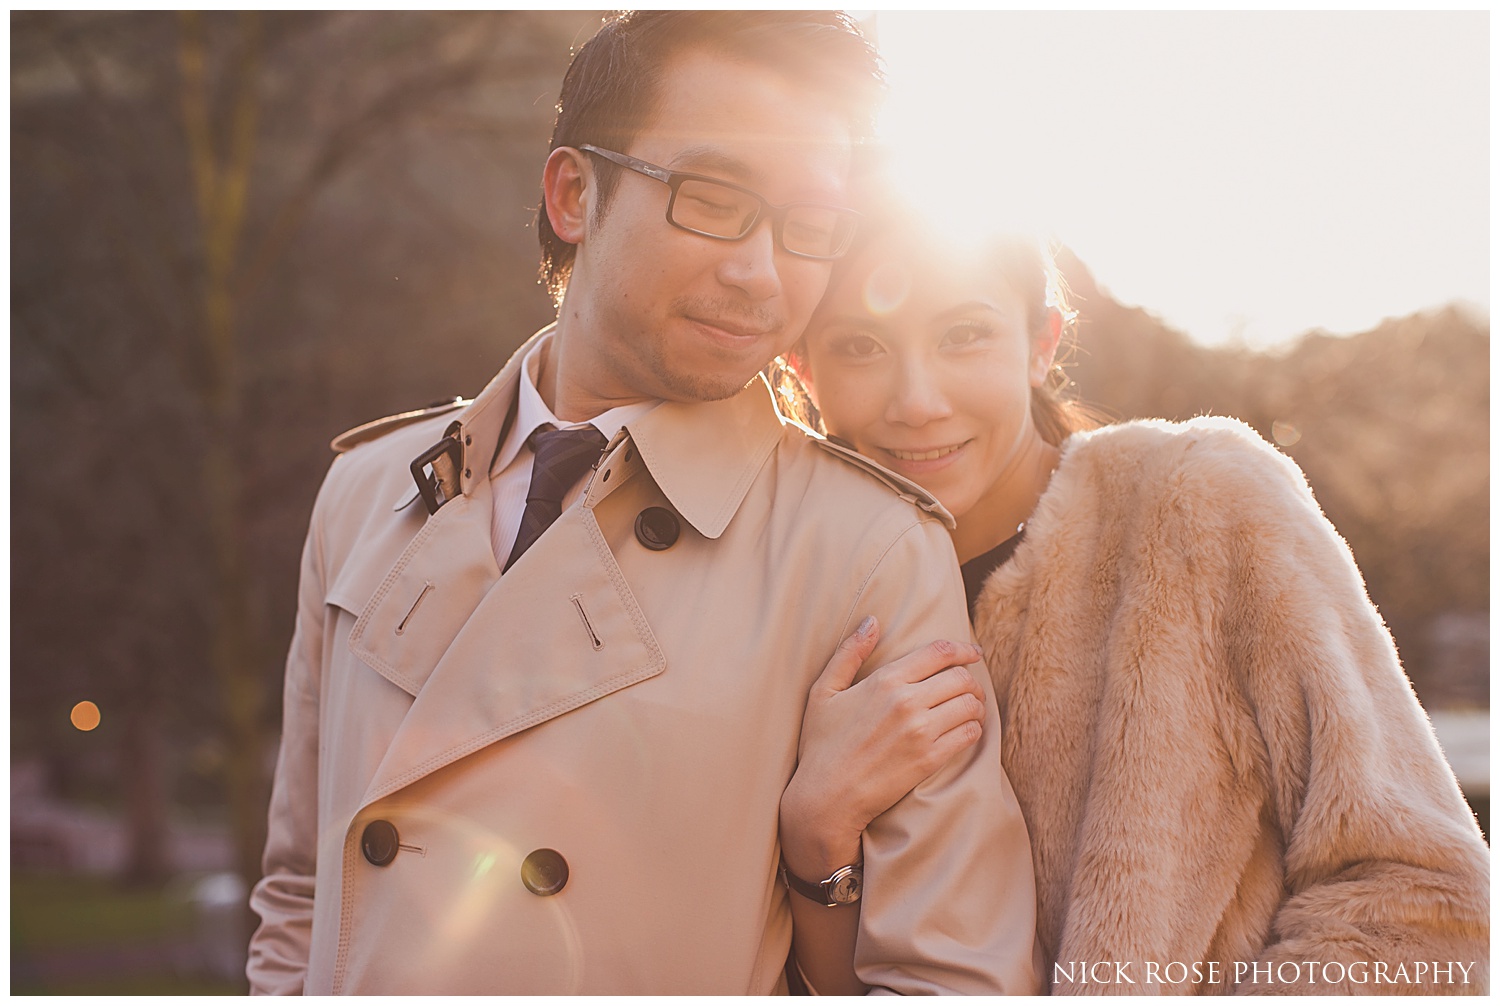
x=843 y=887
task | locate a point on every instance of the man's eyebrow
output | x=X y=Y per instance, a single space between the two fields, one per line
x=711 y=160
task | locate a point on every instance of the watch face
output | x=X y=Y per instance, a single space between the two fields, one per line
x=845 y=890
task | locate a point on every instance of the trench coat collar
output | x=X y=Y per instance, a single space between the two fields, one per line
x=480 y=427
x=704 y=455
x=485 y=419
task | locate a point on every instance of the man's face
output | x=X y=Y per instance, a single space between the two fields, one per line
x=669 y=314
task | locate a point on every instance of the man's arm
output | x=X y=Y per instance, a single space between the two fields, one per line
x=950 y=901
x=284 y=896
x=863 y=747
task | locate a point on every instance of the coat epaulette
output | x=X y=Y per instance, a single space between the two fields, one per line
x=379 y=427
x=904 y=487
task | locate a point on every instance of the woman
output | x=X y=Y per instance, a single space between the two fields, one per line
x=1228 y=781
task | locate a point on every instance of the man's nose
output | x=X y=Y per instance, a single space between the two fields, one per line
x=919 y=397
x=749 y=264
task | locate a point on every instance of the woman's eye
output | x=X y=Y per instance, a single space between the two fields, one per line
x=857 y=346
x=967 y=333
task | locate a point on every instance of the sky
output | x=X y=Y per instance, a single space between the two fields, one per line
x=1246 y=177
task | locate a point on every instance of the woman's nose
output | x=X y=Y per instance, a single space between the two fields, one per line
x=919 y=397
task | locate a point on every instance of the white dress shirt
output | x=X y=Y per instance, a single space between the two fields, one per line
x=510 y=477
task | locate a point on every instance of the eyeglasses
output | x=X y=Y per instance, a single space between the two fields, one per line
x=719 y=209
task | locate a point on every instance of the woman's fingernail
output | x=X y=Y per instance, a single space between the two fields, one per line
x=866 y=627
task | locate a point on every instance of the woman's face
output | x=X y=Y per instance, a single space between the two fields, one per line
x=927 y=367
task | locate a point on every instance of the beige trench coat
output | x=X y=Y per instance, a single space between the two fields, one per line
x=636 y=711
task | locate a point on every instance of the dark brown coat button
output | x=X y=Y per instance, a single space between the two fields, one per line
x=657 y=528
x=380 y=842
x=544 y=872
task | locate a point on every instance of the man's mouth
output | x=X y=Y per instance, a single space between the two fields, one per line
x=737 y=329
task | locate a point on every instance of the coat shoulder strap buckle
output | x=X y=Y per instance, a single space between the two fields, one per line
x=437 y=470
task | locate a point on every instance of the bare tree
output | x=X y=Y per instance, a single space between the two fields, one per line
x=169 y=175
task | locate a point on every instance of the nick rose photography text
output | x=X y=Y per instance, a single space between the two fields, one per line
x=1283 y=973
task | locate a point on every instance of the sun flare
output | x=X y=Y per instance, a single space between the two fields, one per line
x=1245 y=176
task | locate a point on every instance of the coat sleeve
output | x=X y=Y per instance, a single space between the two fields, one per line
x=1385 y=864
x=283 y=898
x=949 y=900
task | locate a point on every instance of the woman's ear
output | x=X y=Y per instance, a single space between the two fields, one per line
x=567 y=189
x=1044 y=347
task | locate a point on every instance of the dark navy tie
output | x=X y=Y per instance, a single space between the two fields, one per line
x=562 y=456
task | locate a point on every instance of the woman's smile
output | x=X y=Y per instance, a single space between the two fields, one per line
x=923 y=455
x=922 y=461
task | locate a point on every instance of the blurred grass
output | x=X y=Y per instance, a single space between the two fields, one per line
x=163 y=984
x=52 y=911
x=81 y=935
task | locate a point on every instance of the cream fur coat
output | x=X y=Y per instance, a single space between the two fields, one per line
x=1218 y=754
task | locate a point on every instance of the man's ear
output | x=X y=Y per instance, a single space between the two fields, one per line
x=1044 y=348
x=567 y=189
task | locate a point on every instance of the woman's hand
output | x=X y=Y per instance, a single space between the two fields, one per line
x=864 y=746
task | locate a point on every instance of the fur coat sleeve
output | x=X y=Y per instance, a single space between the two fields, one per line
x=1229 y=781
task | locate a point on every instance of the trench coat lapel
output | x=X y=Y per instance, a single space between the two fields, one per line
x=407 y=622
x=561 y=629
x=486 y=656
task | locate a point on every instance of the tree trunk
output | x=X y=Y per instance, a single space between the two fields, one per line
x=143 y=783
x=221 y=185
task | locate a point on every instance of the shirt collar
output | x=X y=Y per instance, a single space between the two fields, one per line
x=532 y=412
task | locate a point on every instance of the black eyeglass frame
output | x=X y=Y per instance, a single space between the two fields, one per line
x=674 y=180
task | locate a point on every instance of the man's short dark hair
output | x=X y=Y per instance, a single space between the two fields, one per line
x=610 y=91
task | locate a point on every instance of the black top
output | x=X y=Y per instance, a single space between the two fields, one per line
x=978 y=569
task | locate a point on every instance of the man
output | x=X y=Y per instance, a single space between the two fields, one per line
x=538 y=722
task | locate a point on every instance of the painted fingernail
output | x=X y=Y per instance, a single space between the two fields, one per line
x=866 y=627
